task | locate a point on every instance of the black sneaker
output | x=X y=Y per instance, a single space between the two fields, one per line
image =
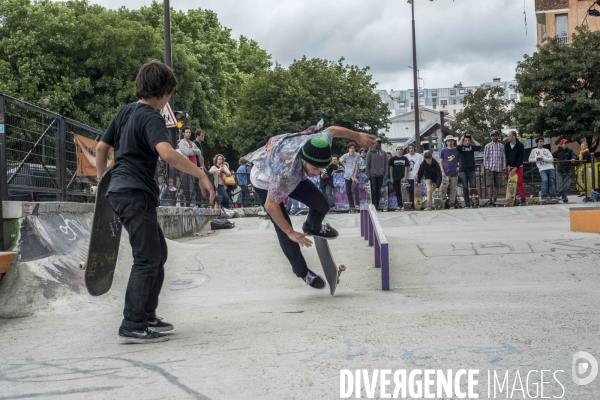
x=326 y=232
x=523 y=202
x=313 y=280
x=147 y=335
x=159 y=325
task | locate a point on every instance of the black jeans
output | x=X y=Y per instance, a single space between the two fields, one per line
x=137 y=211
x=376 y=182
x=398 y=189
x=349 y=186
x=306 y=192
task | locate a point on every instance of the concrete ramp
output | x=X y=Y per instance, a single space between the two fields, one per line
x=51 y=239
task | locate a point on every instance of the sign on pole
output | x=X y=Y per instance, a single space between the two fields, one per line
x=169 y=117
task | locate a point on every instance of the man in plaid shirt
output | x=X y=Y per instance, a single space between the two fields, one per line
x=494 y=162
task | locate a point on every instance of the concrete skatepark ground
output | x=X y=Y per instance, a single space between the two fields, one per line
x=489 y=289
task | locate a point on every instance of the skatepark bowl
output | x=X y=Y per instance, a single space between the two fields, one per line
x=504 y=291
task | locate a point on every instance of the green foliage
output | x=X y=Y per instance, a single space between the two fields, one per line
x=562 y=87
x=485 y=110
x=283 y=100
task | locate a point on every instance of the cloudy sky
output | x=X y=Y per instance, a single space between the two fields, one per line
x=468 y=41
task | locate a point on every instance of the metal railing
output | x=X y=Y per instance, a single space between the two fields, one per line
x=371 y=230
x=563 y=39
x=38 y=159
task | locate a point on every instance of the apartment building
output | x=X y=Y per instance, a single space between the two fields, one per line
x=448 y=99
x=561 y=17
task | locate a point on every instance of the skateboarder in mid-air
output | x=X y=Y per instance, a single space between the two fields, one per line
x=138 y=134
x=281 y=168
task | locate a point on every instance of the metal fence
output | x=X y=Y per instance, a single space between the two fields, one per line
x=38 y=160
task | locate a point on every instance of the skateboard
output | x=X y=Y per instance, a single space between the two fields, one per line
x=407 y=204
x=511 y=190
x=104 y=243
x=444 y=189
x=332 y=272
x=474 y=197
x=384 y=196
x=418 y=197
x=437 y=201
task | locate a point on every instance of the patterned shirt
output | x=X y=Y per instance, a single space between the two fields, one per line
x=494 y=158
x=279 y=160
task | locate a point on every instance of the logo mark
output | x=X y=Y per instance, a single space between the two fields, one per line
x=581 y=367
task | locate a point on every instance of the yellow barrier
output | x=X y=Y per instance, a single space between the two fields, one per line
x=588 y=183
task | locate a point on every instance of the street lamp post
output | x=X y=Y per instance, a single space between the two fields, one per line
x=416 y=83
x=169 y=58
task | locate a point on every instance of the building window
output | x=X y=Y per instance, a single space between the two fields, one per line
x=562 y=28
x=412 y=94
x=434 y=93
x=453 y=101
x=513 y=96
x=461 y=91
x=421 y=94
x=452 y=92
x=402 y=104
x=412 y=106
x=454 y=112
x=444 y=102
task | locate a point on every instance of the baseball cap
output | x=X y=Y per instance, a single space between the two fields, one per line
x=564 y=141
x=378 y=140
x=492 y=133
x=467 y=135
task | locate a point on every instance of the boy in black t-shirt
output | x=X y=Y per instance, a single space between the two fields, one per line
x=466 y=166
x=399 y=166
x=139 y=135
x=326 y=180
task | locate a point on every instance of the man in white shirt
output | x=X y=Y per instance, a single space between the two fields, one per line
x=415 y=160
x=350 y=161
x=545 y=164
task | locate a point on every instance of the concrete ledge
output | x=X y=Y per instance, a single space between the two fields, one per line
x=20 y=209
x=585 y=219
x=7 y=258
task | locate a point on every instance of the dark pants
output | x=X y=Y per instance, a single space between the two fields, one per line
x=244 y=195
x=376 y=182
x=467 y=179
x=306 y=192
x=398 y=190
x=350 y=193
x=137 y=211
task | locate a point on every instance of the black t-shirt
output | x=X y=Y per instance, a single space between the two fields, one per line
x=399 y=164
x=134 y=132
x=327 y=175
x=466 y=156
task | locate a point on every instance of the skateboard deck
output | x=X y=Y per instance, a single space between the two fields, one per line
x=331 y=270
x=474 y=197
x=511 y=190
x=384 y=196
x=407 y=204
x=104 y=243
x=437 y=201
x=418 y=197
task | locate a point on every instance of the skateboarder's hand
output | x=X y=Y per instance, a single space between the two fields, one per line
x=300 y=238
x=207 y=189
x=355 y=180
x=437 y=189
x=366 y=140
x=392 y=180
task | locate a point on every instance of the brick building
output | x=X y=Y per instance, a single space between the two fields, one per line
x=561 y=17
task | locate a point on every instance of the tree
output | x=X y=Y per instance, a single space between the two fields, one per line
x=283 y=100
x=563 y=85
x=485 y=110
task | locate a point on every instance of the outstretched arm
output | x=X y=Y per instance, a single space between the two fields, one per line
x=361 y=138
x=101 y=158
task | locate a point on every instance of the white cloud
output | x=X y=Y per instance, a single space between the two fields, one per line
x=470 y=41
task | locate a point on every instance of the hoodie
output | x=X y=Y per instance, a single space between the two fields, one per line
x=376 y=162
x=431 y=171
x=546 y=163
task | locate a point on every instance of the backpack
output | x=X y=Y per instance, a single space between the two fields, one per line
x=221 y=224
x=594 y=196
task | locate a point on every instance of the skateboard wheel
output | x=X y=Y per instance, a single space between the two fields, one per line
x=82 y=266
x=93 y=189
x=342 y=267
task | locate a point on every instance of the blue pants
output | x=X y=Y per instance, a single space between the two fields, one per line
x=467 y=179
x=224 y=196
x=563 y=180
x=548 y=181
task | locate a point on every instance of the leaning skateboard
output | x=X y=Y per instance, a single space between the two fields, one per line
x=511 y=190
x=444 y=190
x=437 y=200
x=331 y=270
x=474 y=197
x=407 y=204
x=418 y=197
x=104 y=243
